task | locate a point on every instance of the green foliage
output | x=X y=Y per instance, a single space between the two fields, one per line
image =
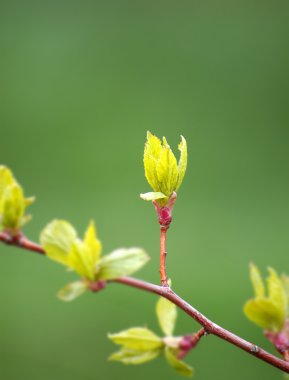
x=268 y=311
x=140 y=345
x=13 y=203
x=162 y=171
x=181 y=367
x=137 y=338
x=152 y=196
x=61 y=243
x=167 y=315
x=72 y=291
x=121 y=262
x=126 y=356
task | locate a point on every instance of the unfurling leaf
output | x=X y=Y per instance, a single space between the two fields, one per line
x=285 y=283
x=162 y=171
x=167 y=315
x=269 y=310
x=13 y=204
x=264 y=313
x=126 y=356
x=139 y=345
x=277 y=293
x=167 y=169
x=152 y=196
x=81 y=260
x=182 y=166
x=57 y=238
x=72 y=291
x=61 y=243
x=92 y=243
x=121 y=262
x=257 y=281
x=181 y=367
x=137 y=338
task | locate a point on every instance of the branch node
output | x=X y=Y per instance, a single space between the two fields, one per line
x=254 y=349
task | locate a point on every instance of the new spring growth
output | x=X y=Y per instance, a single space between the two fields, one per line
x=13 y=203
x=61 y=243
x=139 y=345
x=270 y=307
x=164 y=174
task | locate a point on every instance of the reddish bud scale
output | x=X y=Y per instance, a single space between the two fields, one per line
x=165 y=216
x=96 y=286
x=279 y=340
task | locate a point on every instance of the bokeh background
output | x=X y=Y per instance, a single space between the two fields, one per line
x=80 y=83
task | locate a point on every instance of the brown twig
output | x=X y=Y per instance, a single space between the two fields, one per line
x=164 y=214
x=209 y=327
x=163 y=256
x=20 y=241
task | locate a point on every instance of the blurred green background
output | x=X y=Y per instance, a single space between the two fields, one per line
x=80 y=83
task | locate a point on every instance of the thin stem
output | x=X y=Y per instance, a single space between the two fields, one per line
x=163 y=256
x=21 y=241
x=208 y=326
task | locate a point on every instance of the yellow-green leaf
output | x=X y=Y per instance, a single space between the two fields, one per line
x=152 y=151
x=92 y=243
x=12 y=201
x=152 y=196
x=137 y=338
x=135 y=357
x=81 y=260
x=121 y=262
x=181 y=367
x=12 y=206
x=167 y=315
x=277 y=293
x=56 y=239
x=264 y=313
x=182 y=166
x=6 y=179
x=72 y=291
x=167 y=170
x=285 y=283
x=257 y=281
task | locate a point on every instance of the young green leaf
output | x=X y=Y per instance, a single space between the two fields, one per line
x=264 y=313
x=167 y=315
x=137 y=338
x=162 y=171
x=181 y=367
x=257 y=281
x=121 y=262
x=152 y=196
x=167 y=169
x=6 y=179
x=277 y=293
x=285 y=283
x=152 y=152
x=267 y=311
x=12 y=202
x=12 y=207
x=182 y=165
x=92 y=243
x=126 y=356
x=72 y=291
x=81 y=260
x=57 y=238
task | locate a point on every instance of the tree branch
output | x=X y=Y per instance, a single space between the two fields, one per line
x=209 y=326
